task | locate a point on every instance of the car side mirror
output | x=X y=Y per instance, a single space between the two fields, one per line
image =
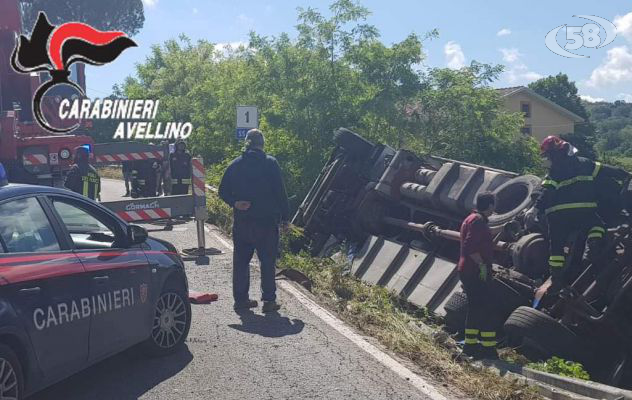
x=137 y=234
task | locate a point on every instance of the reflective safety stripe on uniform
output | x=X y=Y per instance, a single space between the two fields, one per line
x=186 y=181
x=568 y=206
x=556 y=261
x=579 y=178
x=488 y=339
x=471 y=336
x=86 y=187
x=596 y=232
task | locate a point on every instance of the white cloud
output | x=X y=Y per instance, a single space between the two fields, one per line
x=627 y=97
x=624 y=25
x=454 y=56
x=504 y=32
x=511 y=55
x=229 y=46
x=616 y=68
x=195 y=10
x=517 y=71
x=591 y=99
x=150 y=3
x=245 y=20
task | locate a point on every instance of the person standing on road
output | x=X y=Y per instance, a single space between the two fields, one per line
x=252 y=185
x=83 y=178
x=180 y=165
x=475 y=263
x=127 y=175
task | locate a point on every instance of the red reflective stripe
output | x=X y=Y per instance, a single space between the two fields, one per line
x=24 y=268
x=20 y=259
x=162 y=213
x=143 y=214
x=126 y=217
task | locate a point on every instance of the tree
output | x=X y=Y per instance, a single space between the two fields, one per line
x=111 y=15
x=560 y=90
x=336 y=73
x=458 y=116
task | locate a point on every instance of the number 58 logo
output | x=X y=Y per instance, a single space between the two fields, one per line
x=587 y=35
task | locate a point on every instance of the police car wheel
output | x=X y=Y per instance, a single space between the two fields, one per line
x=11 y=383
x=172 y=320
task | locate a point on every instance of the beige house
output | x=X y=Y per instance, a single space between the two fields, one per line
x=542 y=116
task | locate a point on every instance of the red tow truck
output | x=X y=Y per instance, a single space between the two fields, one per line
x=30 y=153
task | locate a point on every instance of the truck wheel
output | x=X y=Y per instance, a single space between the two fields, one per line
x=353 y=143
x=513 y=197
x=172 y=320
x=507 y=298
x=11 y=380
x=456 y=312
x=529 y=327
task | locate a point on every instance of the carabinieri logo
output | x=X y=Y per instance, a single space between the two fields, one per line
x=54 y=49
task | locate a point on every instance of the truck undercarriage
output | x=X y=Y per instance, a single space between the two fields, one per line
x=399 y=214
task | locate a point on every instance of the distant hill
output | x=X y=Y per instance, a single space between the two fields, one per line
x=613 y=123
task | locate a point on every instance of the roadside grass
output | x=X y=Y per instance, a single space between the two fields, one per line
x=380 y=314
x=112 y=172
x=559 y=366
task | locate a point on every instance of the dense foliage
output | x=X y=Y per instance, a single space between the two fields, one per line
x=335 y=72
x=614 y=127
x=111 y=15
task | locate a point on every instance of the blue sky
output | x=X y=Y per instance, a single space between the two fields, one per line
x=499 y=32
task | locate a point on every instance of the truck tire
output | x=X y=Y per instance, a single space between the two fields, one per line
x=353 y=143
x=11 y=380
x=456 y=312
x=507 y=298
x=513 y=197
x=533 y=328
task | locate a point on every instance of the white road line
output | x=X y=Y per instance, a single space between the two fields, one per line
x=386 y=360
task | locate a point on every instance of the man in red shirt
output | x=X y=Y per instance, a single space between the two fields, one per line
x=477 y=251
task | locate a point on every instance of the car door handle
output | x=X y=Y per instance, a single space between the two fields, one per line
x=30 y=291
x=132 y=271
x=101 y=279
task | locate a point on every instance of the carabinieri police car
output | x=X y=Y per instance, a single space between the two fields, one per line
x=77 y=285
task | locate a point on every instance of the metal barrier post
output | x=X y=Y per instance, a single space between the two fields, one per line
x=199 y=201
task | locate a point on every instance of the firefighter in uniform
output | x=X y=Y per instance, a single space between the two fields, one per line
x=475 y=261
x=180 y=165
x=82 y=177
x=569 y=200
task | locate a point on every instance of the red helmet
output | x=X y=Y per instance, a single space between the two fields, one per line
x=552 y=144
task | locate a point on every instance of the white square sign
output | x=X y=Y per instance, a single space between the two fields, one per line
x=247 y=117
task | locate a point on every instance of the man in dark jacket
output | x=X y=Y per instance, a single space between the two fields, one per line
x=475 y=263
x=82 y=177
x=253 y=186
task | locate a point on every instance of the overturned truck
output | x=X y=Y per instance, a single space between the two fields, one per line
x=399 y=214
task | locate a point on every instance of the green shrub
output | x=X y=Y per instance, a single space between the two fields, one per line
x=219 y=213
x=559 y=366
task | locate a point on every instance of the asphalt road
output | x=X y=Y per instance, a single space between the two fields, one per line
x=293 y=354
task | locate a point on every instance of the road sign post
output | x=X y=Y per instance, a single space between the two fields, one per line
x=247 y=119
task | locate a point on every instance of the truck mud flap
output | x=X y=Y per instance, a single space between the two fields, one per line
x=418 y=276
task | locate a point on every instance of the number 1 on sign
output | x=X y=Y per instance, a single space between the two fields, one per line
x=247 y=117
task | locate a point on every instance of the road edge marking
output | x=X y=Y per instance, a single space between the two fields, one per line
x=338 y=325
